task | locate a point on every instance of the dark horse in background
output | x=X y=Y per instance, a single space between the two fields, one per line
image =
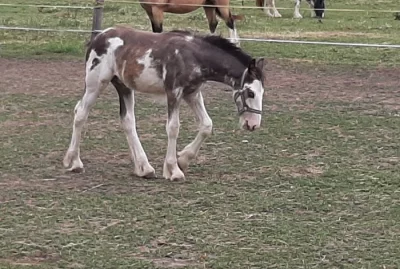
x=155 y=10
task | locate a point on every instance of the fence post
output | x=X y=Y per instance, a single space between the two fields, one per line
x=97 y=17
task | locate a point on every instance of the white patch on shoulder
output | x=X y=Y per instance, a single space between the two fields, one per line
x=176 y=51
x=188 y=38
x=149 y=80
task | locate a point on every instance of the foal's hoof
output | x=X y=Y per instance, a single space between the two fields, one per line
x=146 y=173
x=76 y=170
x=150 y=175
x=177 y=175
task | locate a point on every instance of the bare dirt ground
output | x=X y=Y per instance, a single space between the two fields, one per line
x=285 y=81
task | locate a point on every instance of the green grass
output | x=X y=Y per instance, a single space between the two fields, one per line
x=359 y=27
x=316 y=187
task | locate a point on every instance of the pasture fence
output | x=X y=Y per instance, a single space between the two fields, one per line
x=97 y=18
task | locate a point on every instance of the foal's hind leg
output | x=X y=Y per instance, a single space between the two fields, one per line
x=196 y=103
x=94 y=85
x=127 y=113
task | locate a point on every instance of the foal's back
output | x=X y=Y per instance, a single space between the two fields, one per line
x=140 y=59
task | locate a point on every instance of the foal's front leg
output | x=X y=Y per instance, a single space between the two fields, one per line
x=196 y=103
x=171 y=168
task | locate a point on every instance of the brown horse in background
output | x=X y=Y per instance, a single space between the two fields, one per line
x=155 y=10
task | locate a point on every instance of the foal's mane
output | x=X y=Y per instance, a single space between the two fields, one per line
x=221 y=43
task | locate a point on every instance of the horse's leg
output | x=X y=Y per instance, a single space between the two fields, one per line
x=311 y=5
x=275 y=12
x=127 y=114
x=196 y=103
x=171 y=168
x=212 y=18
x=157 y=18
x=297 y=14
x=226 y=15
x=96 y=80
x=266 y=7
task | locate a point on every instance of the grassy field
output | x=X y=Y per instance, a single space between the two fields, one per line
x=317 y=187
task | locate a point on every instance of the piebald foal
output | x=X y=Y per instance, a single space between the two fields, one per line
x=174 y=64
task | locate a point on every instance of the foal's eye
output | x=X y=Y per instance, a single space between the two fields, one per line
x=251 y=94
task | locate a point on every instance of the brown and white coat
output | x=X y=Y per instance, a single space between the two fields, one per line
x=174 y=64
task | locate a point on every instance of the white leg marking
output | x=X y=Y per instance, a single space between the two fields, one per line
x=171 y=168
x=233 y=35
x=297 y=14
x=196 y=103
x=139 y=157
x=275 y=13
x=267 y=7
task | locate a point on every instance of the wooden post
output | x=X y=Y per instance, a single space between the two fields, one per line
x=97 y=17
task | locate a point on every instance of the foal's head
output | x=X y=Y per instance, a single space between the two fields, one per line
x=249 y=96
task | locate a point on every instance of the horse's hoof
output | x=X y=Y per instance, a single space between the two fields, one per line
x=76 y=170
x=146 y=173
x=178 y=178
x=150 y=175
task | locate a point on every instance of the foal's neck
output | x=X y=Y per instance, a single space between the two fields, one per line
x=225 y=69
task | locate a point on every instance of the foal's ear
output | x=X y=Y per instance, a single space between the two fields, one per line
x=256 y=63
x=260 y=63
x=256 y=67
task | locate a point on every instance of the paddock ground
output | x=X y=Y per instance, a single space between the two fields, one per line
x=316 y=187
